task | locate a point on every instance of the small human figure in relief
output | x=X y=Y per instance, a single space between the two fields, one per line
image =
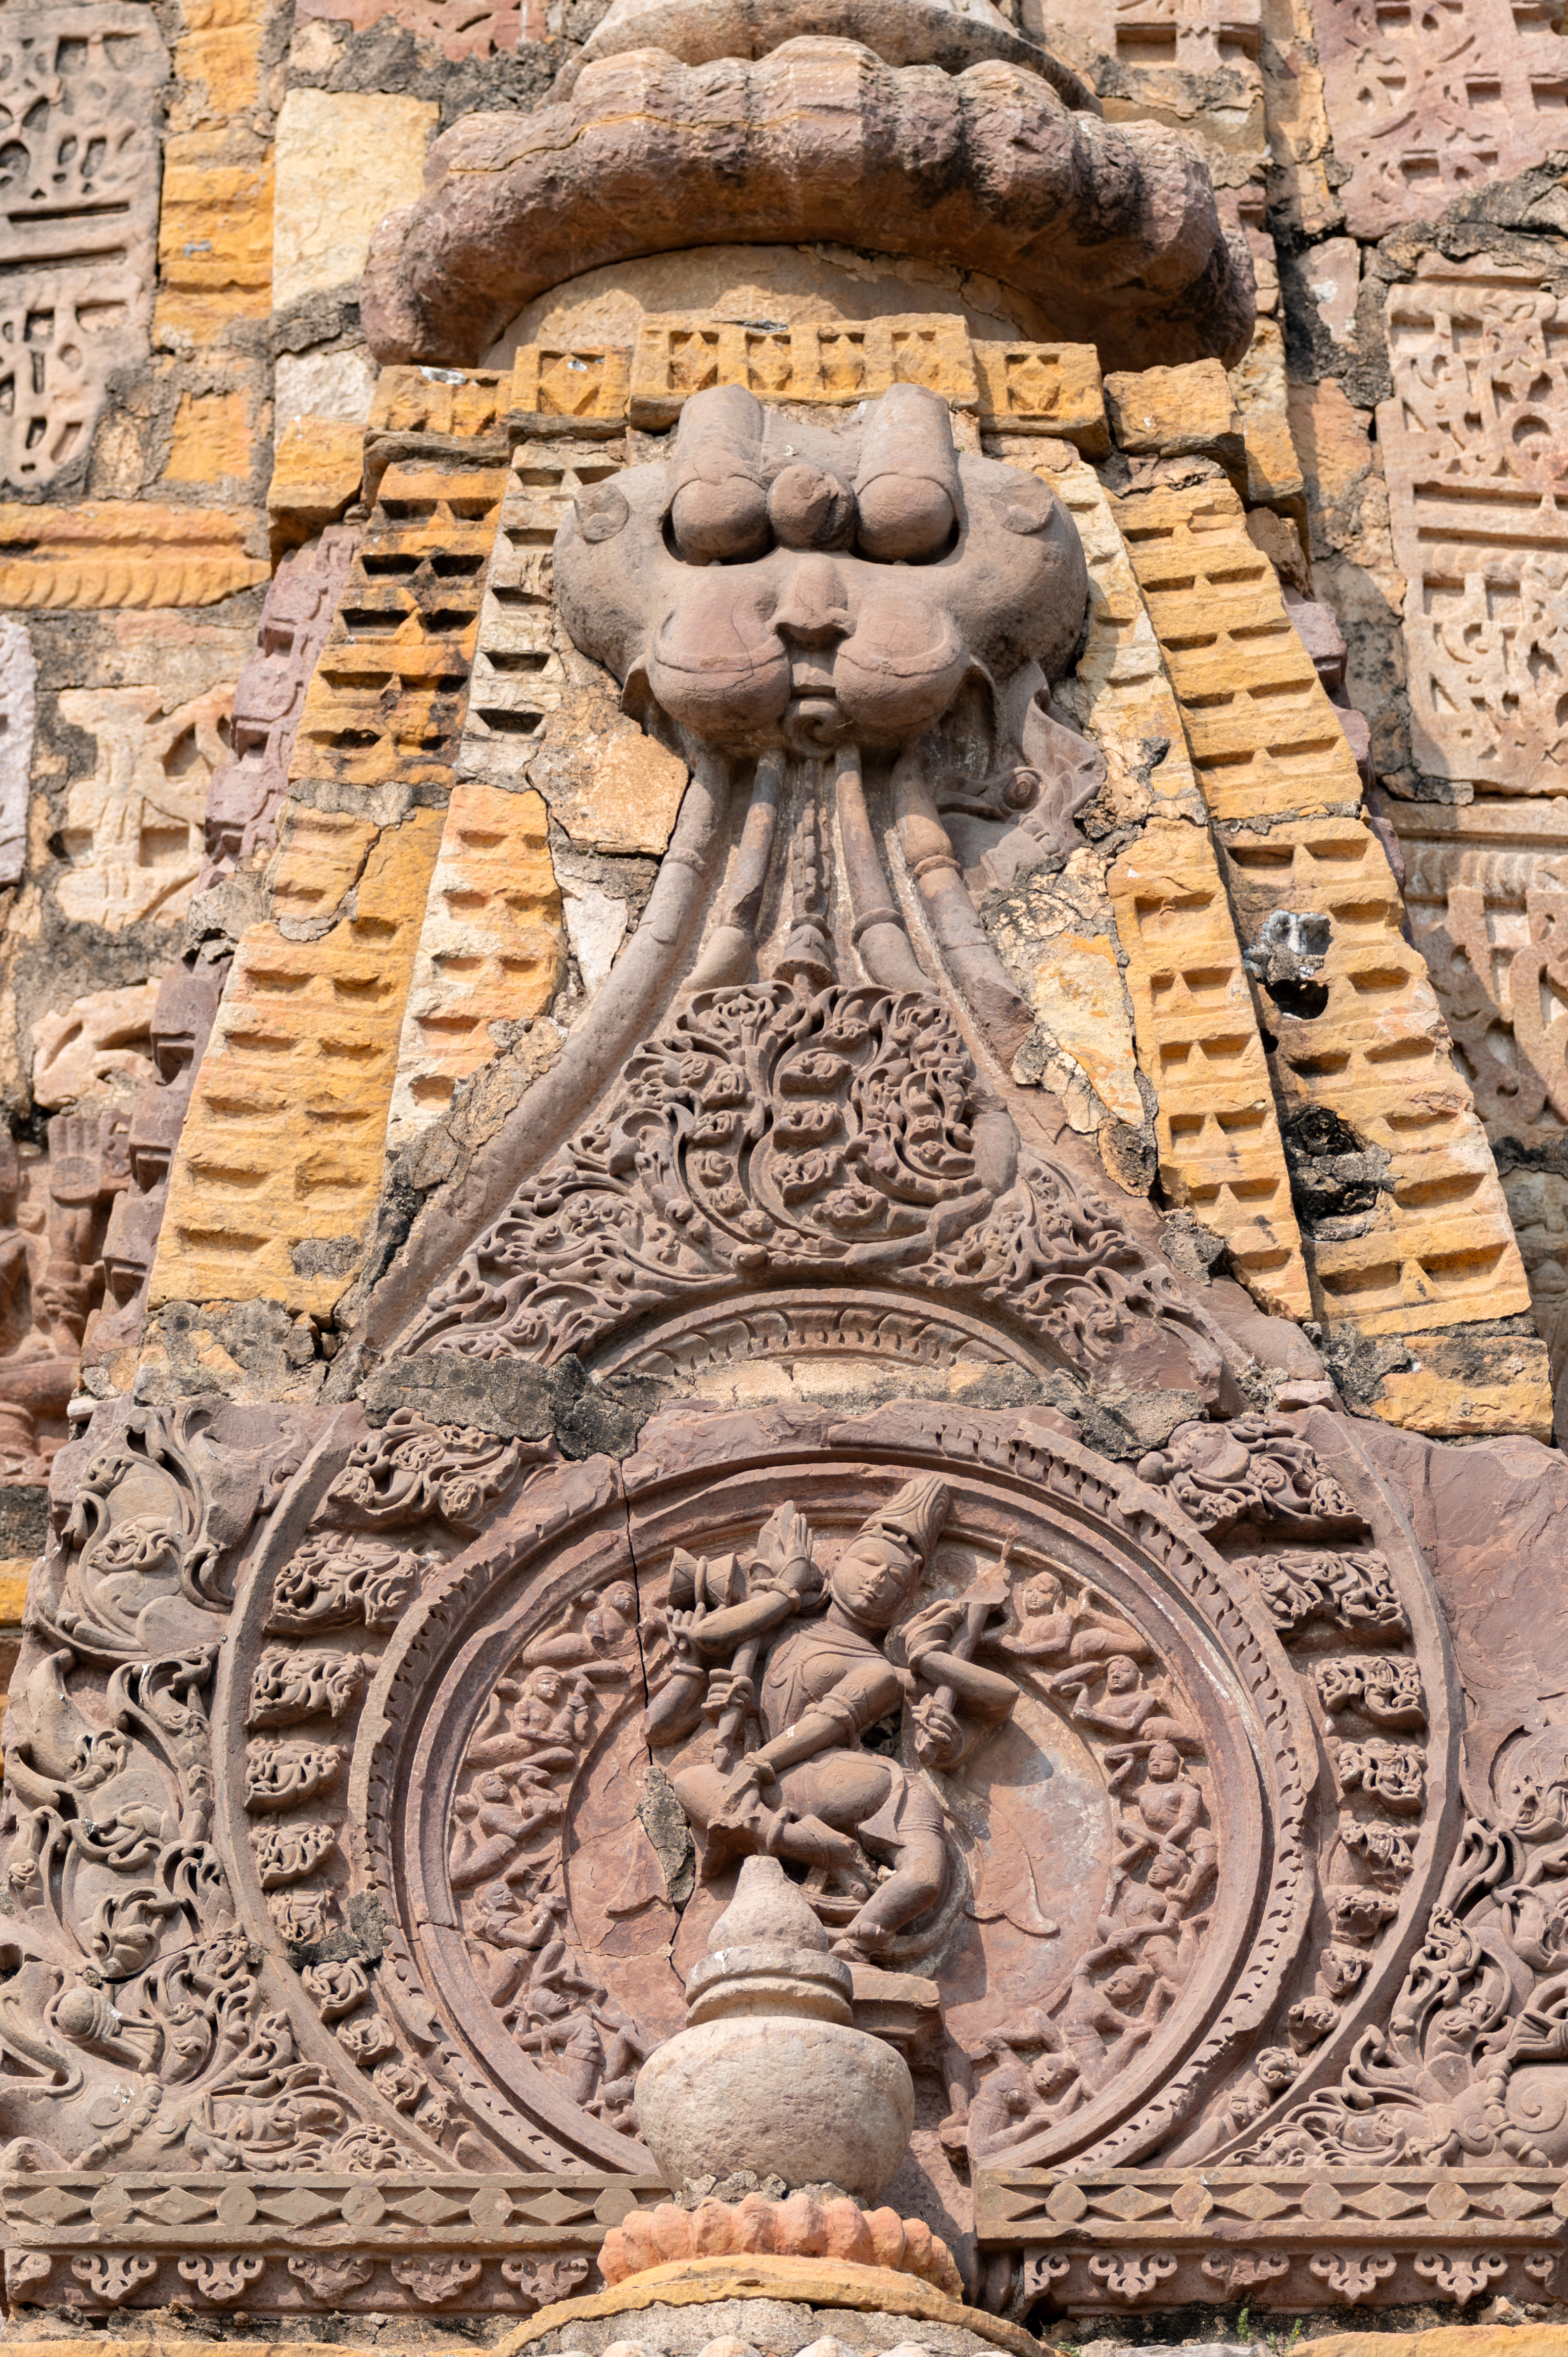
x=819 y=1679
x=1051 y=1626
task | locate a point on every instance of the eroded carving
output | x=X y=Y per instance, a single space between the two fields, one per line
x=81 y=90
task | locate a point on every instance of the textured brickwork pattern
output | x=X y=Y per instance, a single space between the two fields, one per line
x=279 y=1168
x=388 y=696
x=490 y=951
x=1197 y=1040
x=518 y=675
x=1438 y=1247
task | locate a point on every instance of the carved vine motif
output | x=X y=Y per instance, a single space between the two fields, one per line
x=416 y=1479
x=784 y=1130
x=1472 y=2065
x=139 y=2003
x=1244 y=1483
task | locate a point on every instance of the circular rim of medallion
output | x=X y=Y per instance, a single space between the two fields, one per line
x=454 y=1638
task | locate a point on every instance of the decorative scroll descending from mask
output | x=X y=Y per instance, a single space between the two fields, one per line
x=806 y=1125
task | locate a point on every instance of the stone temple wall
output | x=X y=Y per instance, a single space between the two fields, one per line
x=1074 y=1096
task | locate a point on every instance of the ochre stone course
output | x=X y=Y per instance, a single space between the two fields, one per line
x=123 y=553
x=279 y=1165
x=490 y=951
x=388 y=696
x=1438 y=1248
x=1221 y=1156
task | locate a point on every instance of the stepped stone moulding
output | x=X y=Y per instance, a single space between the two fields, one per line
x=1109 y=235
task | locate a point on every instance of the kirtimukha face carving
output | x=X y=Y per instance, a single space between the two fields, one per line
x=778 y=585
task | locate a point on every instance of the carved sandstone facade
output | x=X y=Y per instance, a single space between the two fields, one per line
x=770 y=1201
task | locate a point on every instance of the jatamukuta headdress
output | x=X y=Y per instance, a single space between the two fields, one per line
x=914 y=1519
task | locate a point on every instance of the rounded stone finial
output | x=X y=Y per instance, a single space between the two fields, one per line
x=769 y=2073
x=766 y=1911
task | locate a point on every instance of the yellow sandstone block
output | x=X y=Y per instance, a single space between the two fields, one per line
x=212 y=438
x=276 y=1182
x=1044 y=389
x=1194 y=1026
x=344 y=161
x=122 y=552
x=1263 y=735
x=831 y=361
x=388 y=696
x=320 y=860
x=318 y=468
x=490 y=951
x=1362 y=1040
x=1462 y=1389
x=592 y=382
x=1221 y=1152
x=1171 y=413
x=215 y=240
x=408 y=401
x=218 y=61
x=1440 y=1249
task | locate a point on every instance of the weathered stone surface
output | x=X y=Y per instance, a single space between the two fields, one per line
x=179 y=1026
x=1359 y=1033
x=673 y=358
x=502 y=219
x=769 y=2073
x=18 y=716
x=1473 y=444
x=408 y=614
x=1458 y=1388
x=80 y=89
x=215 y=240
x=247 y=789
x=1174 y=413
x=1221 y=1154
x=1424 y=109
x=453 y=23
x=491 y=949
x=340 y=384
x=916 y=32
x=107 y=1032
x=122 y=552
x=343 y=160
x=279 y=1163
x=316 y=468
x=132 y=833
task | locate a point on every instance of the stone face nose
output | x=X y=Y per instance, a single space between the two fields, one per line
x=814 y=609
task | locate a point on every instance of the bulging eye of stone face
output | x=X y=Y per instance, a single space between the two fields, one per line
x=601 y=511
x=809 y=510
x=720 y=523
x=905 y=519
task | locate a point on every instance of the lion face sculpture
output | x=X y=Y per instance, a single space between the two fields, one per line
x=774 y=584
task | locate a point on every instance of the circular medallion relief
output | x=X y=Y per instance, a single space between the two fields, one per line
x=1021 y=1749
